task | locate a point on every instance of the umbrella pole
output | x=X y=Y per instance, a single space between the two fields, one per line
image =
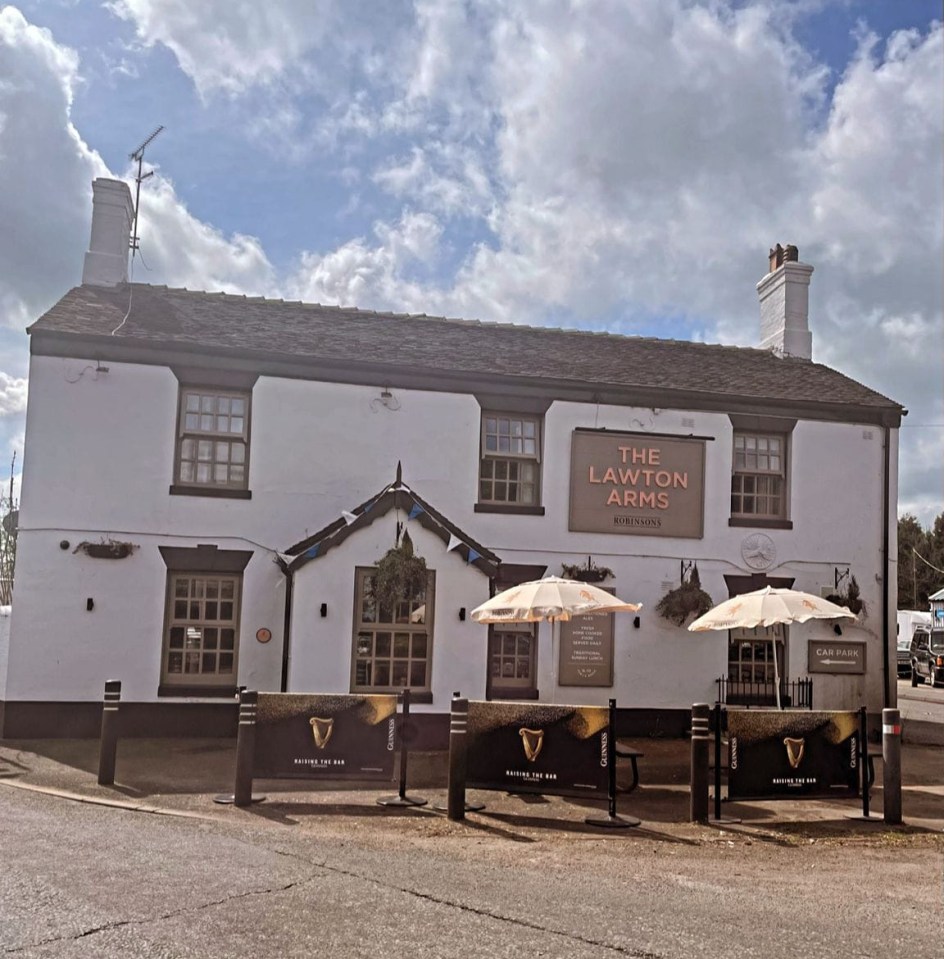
x=776 y=672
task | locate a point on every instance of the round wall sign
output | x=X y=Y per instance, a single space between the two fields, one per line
x=758 y=551
x=263 y=635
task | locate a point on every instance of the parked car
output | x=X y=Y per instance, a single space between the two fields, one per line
x=927 y=656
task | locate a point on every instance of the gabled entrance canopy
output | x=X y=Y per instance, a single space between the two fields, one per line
x=395 y=496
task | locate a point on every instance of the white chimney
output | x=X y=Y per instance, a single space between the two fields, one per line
x=106 y=263
x=785 y=305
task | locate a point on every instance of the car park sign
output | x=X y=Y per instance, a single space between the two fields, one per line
x=827 y=656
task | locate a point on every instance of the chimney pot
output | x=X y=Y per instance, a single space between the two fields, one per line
x=106 y=263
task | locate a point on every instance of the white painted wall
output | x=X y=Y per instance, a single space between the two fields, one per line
x=99 y=461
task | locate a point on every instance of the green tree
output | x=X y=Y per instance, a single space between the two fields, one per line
x=920 y=561
x=8 y=521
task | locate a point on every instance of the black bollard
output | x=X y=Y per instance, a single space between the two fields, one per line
x=458 y=725
x=699 y=772
x=891 y=765
x=108 y=746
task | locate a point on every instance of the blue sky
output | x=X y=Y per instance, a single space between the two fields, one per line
x=606 y=165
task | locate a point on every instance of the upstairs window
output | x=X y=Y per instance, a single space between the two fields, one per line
x=759 y=477
x=213 y=439
x=509 y=471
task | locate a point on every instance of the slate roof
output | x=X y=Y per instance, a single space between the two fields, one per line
x=224 y=322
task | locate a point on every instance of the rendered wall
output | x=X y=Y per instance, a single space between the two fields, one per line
x=99 y=462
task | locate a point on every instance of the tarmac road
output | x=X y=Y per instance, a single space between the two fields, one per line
x=82 y=880
x=922 y=713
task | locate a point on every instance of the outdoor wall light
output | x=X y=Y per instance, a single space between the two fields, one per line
x=837 y=629
x=636 y=622
x=90 y=604
x=324 y=610
x=462 y=614
x=64 y=544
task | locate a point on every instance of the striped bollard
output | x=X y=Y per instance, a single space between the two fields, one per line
x=108 y=744
x=458 y=726
x=891 y=765
x=699 y=773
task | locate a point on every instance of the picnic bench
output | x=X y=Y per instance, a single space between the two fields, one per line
x=633 y=755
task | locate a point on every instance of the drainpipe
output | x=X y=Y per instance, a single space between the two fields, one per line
x=886 y=691
x=287 y=624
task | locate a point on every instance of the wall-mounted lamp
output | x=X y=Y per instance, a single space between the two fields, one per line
x=837 y=629
x=64 y=544
x=324 y=610
x=636 y=622
x=90 y=604
x=462 y=614
x=386 y=400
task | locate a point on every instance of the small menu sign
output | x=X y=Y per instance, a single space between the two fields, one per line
x=586 y=651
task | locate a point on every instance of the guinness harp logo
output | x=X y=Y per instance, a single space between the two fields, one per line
x=532 y=740
x=321 y=729
x=795 y=749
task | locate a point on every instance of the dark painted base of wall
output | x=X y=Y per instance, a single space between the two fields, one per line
x=428 y=731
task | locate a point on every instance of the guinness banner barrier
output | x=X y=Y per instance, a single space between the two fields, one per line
x=324 y=737
x=528 y=747
x=781 y=755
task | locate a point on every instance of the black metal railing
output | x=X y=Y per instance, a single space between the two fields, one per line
x=795 y=693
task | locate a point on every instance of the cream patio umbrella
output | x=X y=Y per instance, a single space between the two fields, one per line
x=768 y=607
x=551 y=599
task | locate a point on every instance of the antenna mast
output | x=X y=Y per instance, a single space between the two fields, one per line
x=138 y=155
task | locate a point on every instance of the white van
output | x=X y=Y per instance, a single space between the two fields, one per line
x=908 y=621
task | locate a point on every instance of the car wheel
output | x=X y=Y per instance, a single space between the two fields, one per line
x=914 y=676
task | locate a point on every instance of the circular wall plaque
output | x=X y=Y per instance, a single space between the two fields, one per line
x=758 y=551
x=263 y=635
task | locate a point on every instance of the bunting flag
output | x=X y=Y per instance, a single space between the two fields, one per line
x=454 y=541
x=312 y=551
x=416 y=510
x=473 y=555
x=348 y=517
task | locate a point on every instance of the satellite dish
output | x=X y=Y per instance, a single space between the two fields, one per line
x=10 y=522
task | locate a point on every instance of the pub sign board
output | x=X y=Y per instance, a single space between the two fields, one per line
x=644 y=484
x=534 y=748
x=325 y=736
x=826 y=656
x=586 y=650
x=774 y=754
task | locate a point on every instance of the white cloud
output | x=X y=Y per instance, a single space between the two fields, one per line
x=12 y=395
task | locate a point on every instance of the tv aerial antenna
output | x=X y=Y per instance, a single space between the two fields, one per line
x=138 y=156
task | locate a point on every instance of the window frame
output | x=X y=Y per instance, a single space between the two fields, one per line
x=498 y=686
x=536 y=460
x=766 y=427
x=199 y=683
x=418 y=694
x=182 y=434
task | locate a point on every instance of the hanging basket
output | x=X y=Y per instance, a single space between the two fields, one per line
x=685 y=601
x=586 y=573
x=400 y=575
x=106 y=549
x=851 y=598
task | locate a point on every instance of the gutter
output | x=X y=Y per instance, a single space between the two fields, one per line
x=886 y=505
x=286 y=623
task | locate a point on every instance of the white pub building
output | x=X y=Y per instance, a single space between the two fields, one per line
x=210 y=481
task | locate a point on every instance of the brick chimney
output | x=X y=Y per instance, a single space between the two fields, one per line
x=785 y=305
x=106 y=263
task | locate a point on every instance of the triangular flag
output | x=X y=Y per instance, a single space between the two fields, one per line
x=473 y=556
x=348 y=517
x=312 y=552
x=417 y=509
x=454 y=541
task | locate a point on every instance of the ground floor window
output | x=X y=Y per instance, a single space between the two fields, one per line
x=392 y=646
x=751 y=661
x=202 y=636
x=511 y=655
